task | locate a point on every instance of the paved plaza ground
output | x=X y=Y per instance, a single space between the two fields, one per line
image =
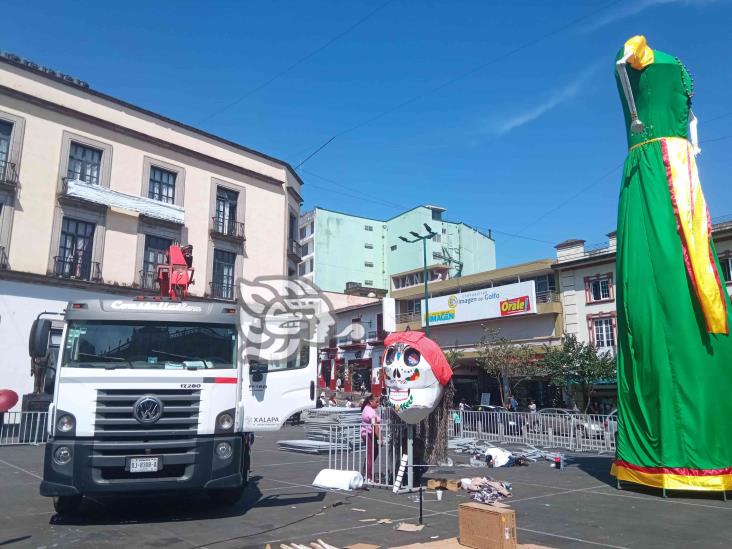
x=572 y=508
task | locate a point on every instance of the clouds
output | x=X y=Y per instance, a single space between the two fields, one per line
x=554 y=100
x=634 y=7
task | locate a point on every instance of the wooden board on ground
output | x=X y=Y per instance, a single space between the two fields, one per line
x=453 y=543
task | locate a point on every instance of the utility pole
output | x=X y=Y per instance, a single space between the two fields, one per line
x=410 y=429
x=424 y=238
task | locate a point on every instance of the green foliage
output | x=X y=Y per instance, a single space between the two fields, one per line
x=453 y=356
x=510 y=363
x=575 y=363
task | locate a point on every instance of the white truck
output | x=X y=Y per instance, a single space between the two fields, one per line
x=153 y=395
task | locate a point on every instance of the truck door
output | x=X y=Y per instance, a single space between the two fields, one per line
x=274 y=387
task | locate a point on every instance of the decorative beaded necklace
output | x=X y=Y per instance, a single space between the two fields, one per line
x=688 y=88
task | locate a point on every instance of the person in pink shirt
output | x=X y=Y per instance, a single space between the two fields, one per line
x=370 y=432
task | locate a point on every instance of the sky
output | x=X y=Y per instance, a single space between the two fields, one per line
x=505 y=113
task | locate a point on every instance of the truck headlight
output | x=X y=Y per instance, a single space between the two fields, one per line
x=62 y=455
x=65 y=423
x=223 y=450
x=225 y=421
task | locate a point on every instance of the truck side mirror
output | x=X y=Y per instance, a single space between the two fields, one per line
x=39 y=338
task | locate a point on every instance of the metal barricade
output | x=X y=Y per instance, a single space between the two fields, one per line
x=375 y=457
x=23 y=428
x=575 y=432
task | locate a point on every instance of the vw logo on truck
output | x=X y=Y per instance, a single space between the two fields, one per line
x=147 y=410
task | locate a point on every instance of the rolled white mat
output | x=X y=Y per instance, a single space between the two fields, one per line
x=342 y=480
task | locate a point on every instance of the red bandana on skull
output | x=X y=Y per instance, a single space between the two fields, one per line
x=415 y=369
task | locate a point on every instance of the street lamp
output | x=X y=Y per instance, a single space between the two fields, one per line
x=424 y=238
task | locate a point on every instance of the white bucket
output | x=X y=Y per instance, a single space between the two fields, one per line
x=439 y=495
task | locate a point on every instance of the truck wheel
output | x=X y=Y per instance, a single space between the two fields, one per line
x=66 y=504
x=228 y=496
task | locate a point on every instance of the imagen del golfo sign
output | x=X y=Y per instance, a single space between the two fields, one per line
x=498 y=301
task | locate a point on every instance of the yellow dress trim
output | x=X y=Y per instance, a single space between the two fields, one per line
x=649 y=141
x=673 y=482
x=642 y=54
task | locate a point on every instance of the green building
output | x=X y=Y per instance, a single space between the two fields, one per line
x=341 y=251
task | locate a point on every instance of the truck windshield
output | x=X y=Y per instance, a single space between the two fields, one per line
x=149 y=345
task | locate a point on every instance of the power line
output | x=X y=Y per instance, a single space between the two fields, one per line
x=296 y=63
x=459 y=77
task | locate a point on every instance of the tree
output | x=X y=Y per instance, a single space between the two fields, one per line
x=575 y=363
x=454 y=356
x=510 y=363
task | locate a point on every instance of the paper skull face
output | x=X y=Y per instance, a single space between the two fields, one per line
x=414 y=375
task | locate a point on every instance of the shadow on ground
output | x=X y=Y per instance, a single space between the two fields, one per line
x=165 y=507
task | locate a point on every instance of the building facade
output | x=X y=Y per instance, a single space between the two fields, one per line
x=355 y=349
x=339 y=249
x=587 y=284
x=490 y=295
x=93 y=190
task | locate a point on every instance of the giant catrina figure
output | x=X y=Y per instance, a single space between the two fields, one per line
x=674 y=347
x=416 y=372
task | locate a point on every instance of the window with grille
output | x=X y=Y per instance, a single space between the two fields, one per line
x=75 y=249
x=726 y=268
x=84 y=163
x=162 y=185
x=604 y=332
x=368 y=246
x=368 y=282
x=599 y=288
x=154 y=254
x=226 y=202
x=223 y=274
x=368 y=263
x=6 y=131
x=368 y=227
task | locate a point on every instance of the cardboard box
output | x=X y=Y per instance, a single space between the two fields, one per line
x=486 y=527
x=436 y=484
x=453 y=485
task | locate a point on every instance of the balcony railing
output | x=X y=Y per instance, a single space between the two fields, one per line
x=67 y=267
x=3 y=258
x=227 y=228
x=547 y=297
x=148 y=280
x=408 y=317
x=221 y=290
x=376 y=335
x=8 y=174
x=294 y=249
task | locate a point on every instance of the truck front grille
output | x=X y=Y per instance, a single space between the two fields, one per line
x=118 y=434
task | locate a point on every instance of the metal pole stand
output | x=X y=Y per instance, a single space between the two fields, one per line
x=410 y=457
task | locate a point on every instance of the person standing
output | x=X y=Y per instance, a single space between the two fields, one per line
x=339 y=384
x=363 y=388
x=514 y=403
x=370 y=433
x=532 y=407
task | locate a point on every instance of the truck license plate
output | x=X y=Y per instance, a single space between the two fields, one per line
x=144 y=465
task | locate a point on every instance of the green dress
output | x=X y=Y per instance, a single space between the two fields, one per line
x=674 y=371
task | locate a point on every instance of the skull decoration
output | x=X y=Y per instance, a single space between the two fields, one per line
x=415 y=372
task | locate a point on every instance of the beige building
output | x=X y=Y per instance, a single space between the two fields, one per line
x=587 y=284
x=93 y=190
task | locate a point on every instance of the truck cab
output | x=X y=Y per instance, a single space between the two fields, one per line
x=154 y=395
